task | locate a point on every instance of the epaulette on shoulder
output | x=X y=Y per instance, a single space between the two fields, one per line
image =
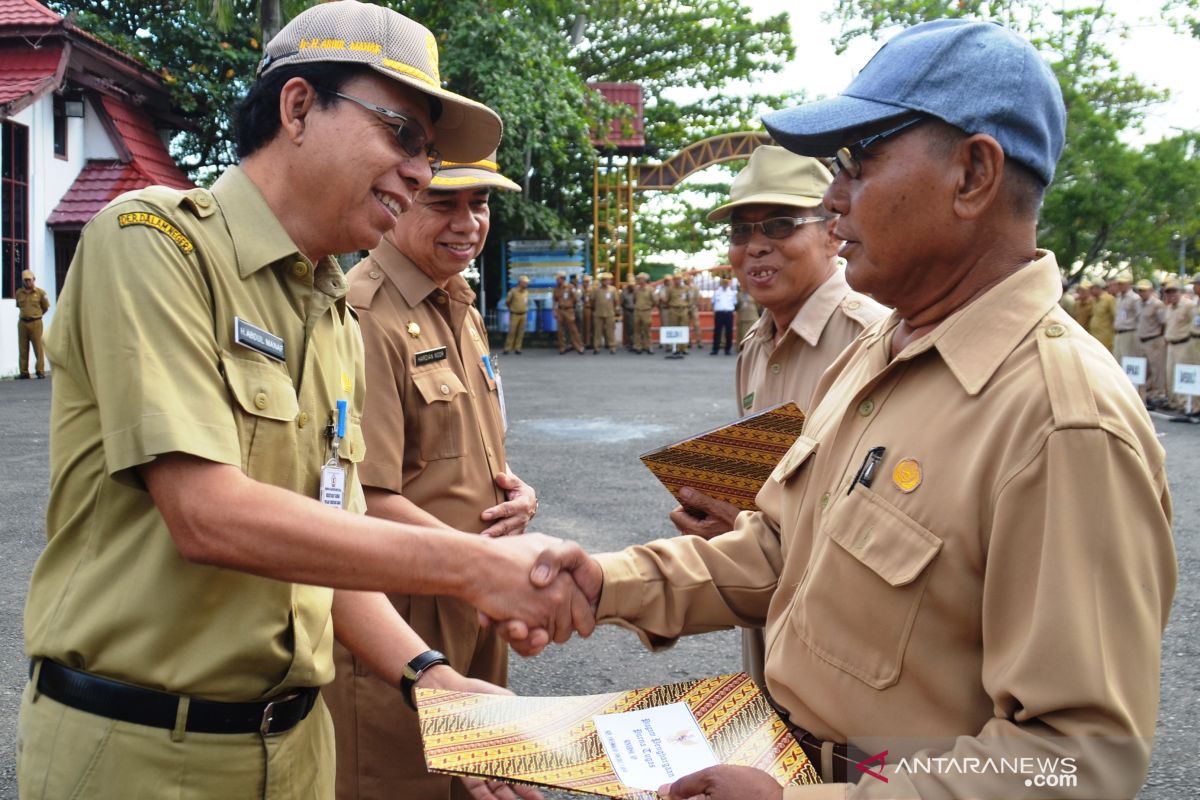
x=1072 y=400
x=859 y=308
x=164 y=209
x=365 y=280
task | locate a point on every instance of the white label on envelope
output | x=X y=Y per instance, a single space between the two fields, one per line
x=656 y=746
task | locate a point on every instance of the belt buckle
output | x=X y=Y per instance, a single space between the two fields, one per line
x=268 y=715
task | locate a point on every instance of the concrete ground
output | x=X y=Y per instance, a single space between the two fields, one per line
x=577 y=426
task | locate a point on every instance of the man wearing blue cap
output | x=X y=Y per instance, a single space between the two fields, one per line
x=926 y=595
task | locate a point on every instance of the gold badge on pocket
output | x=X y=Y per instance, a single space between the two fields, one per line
x=907 y=475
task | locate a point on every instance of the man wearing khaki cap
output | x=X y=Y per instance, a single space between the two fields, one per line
x=1177 y=332
x=205 y=530
x=434 y=432
x=644 y=301
x=604 y=301
x=783 y=250
x=1152 y=315
x=1082 y=311
x=32 y=305
x=1104 y=314
x=517 y=303
x=565 y=296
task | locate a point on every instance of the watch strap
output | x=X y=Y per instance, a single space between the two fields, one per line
x=413 y=671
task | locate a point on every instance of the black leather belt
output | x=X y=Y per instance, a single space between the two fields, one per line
x=1126 y=330
x=1196 y=335
x=30 y=319
x=1150 y=338
x=128 y=703
x=1184 y=339
x=845 y=756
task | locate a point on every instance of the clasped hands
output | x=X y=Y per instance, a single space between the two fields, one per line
x=537 y=589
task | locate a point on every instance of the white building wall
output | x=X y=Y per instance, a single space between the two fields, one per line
x=49 y=179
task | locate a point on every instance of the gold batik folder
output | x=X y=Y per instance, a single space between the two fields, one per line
x=730 y=463
x=552 y=741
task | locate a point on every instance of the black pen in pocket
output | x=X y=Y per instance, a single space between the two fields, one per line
x=866 y=473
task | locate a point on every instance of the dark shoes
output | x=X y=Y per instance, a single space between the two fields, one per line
x=41 y=375
x=24 y=376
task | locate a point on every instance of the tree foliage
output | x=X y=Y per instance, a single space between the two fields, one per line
x=1112 y=202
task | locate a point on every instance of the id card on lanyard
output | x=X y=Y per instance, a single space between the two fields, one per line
x=495 y=376
x=333 y=474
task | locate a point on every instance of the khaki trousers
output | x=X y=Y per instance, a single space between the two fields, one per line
x=516 y=332
x=379 y=751
x=604 y=329
x=1155 y=353
x=1181 y=353
x=679 y=317
x=66 y=754
x=567 y=327
x=641 y=330
x=30 y=333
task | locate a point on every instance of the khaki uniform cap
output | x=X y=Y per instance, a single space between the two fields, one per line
x=1085 y=284
x=397 y=47
x=472 y=175
x=1144 y=286
x=1124 y=277
x=1101 y=282
x=1170 y=282
x=27 y=275
x=778 y=178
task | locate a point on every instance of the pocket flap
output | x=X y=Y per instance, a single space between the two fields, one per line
x=439 y=385
x=260 y=388
x=882 y=537
x=794 y=458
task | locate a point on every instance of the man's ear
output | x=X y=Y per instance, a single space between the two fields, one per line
x=296 y=100
x=979 y=160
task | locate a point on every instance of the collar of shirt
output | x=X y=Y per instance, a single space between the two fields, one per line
x=812 y=317
x=976 y=339
x=259 y=239
x=415 y=286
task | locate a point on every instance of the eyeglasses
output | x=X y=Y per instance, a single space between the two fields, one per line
x=849 y=158
x=410 y=135
x=773 y=228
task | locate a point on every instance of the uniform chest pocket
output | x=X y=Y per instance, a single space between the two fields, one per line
x=861 y=595
x=440 y=428
x=266 y=413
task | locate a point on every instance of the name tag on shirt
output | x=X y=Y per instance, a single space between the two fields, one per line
x=333 y=485
x=429 y=356
x=257 y=339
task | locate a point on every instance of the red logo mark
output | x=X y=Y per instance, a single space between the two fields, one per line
x=863 y=768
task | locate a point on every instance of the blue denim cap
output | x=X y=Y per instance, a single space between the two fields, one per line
x=978 y=76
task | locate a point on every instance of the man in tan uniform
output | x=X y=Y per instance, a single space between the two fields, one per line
x=1152 y=314
x=1127 y=303
x=1104 y=314
x=1177 y=332
x=693 y=297
x=565 y=296
x=643 y=311
x=1082 y=312
x=32 y=304
x=603 y=304
x=584 y=306
x=179 y=630
x=923 y=584
x=782 y=247
x=517 y=304
x=434 y=433
x=676 y=300
x=627 y=305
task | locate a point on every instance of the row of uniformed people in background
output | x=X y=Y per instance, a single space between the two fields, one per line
x=586 y=315
x=1136 y=320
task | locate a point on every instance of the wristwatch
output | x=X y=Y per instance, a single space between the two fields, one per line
x=413 y=671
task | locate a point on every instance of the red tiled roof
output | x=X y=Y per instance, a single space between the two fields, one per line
x=26 y=12
x=99 y=183
x=24 y=71
x=622 y=133
x=148 y=151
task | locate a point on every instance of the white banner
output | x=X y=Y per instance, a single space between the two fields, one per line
x=677 y=334
x=1187 y=379
x=1135 y=369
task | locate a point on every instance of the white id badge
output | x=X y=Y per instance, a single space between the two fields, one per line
x=333 y=485
x=500 y=396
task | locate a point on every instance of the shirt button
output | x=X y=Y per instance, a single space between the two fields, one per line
x=853 y=305
x=441 y=298
x=260 y=400
x=866 y=407
x=303 y=419
x=374 y=275
x=445 y=389
x=1055 y=331
x=299 y=269
x=202 y=201
x=775 y=368
x=824 y=500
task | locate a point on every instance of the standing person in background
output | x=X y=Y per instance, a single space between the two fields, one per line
x=603 y=308
x=1128 y=304
x=1152 y=314
x=517 y=304
x=724 y=301
x=677 y=300
x=435 y=456
x=643 y=311
x=747 y=312
x=1082 y=312
x=783 y=248
x=627 y=309
x=1177 y=332
x=584 y=307
x=565 y=297
x=32 y=305
x=1104 y=314
x=694 y=309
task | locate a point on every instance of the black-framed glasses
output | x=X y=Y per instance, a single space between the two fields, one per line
x=410 y=135
x=773 y=228
x=849 y=158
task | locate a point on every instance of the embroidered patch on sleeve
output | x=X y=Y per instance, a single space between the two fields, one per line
x=159 y=224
